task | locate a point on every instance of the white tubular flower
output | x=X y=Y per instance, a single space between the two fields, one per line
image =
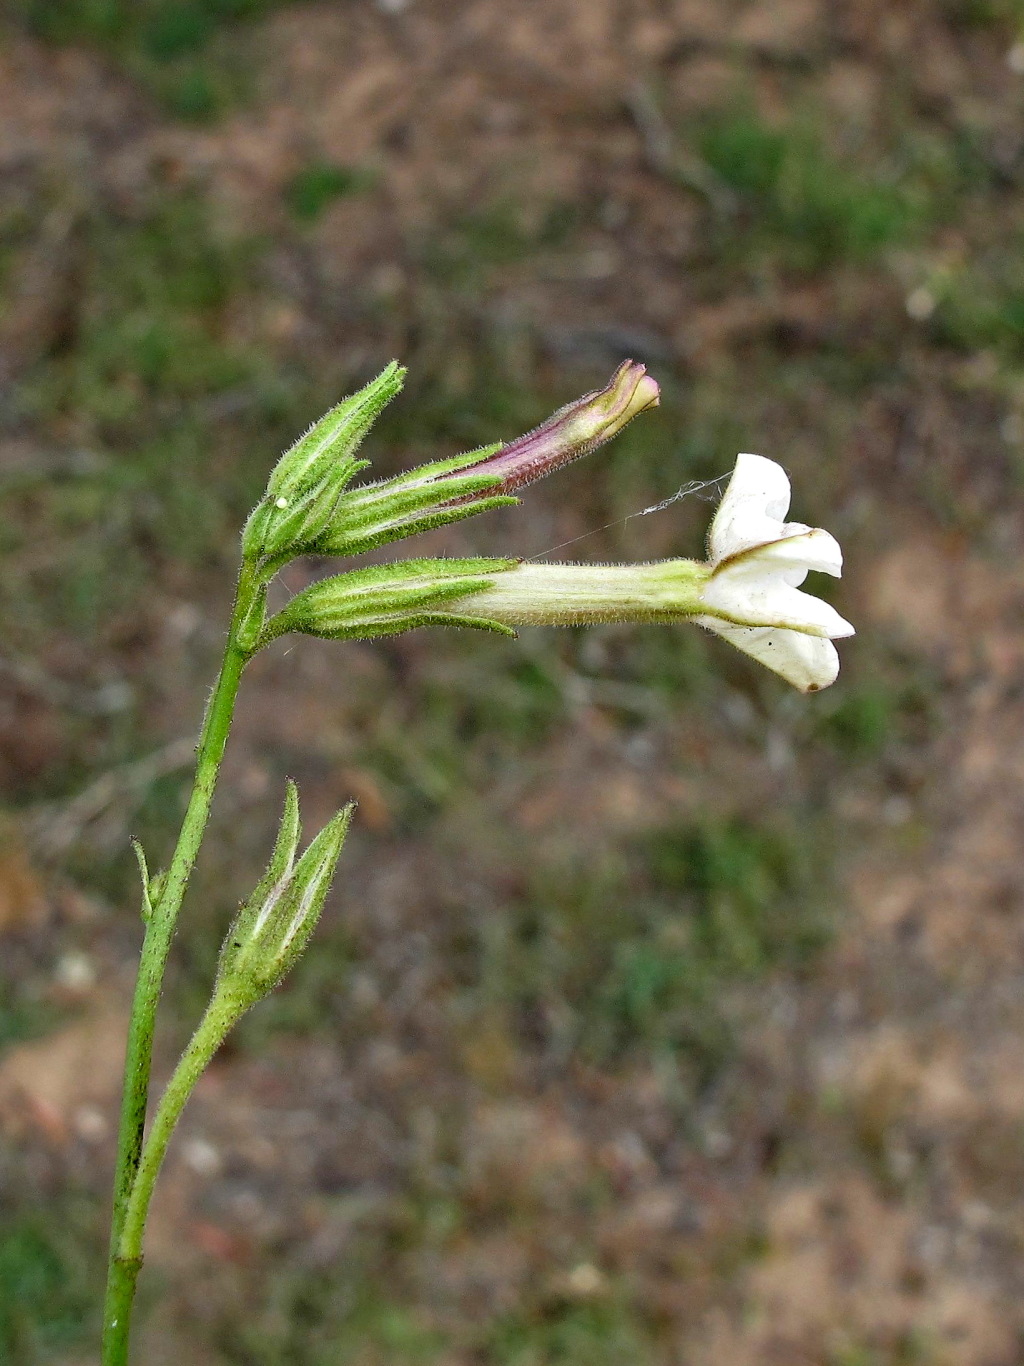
x=758 y=562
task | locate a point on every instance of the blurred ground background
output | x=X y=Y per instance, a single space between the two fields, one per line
x=661 y=1015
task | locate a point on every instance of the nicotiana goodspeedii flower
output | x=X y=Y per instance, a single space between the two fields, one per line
x=758 y=562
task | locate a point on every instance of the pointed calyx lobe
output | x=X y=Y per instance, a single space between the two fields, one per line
x=307 y=486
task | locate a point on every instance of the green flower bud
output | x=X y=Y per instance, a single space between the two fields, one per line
x=274 y=925
x=307 y=482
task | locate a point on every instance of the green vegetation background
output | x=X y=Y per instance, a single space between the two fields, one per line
x=571 y=943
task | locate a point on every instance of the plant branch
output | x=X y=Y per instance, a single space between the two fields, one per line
x=210 y=1033
x=156 y=945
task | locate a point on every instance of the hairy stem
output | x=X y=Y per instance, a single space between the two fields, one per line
x=122 y=1272
x=210 y=1034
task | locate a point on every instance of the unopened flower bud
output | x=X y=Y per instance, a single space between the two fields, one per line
x=307 y=482
x=575 y=430
x=274 y=925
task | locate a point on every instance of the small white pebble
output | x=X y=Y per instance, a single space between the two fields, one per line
x=364 y=990
x=897 y=810
x=247 y=1206
x=977 y=1215
x=921 y=304
x=183 y=619
x=281 y=503
x=717 y=1144
x=585 y=1280
x=1015 y=58
x=201 y=1157
x=900 y=1162
x=75 y=972
x=90 y=1124
x=113 y=697
x=392 y=6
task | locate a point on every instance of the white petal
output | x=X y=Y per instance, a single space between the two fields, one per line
x=802 y=548
x=748 y=601
x=752 y=508
x=808 y=662
x=759 y=587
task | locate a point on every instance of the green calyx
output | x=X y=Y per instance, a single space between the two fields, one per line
x=307 y=482
x=429 y=496
x=275 y=923
x=309 y=509
x=386 y=599
x=336 y=435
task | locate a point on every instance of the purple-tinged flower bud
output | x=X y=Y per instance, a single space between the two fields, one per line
x=444 y=491
x=575 y=430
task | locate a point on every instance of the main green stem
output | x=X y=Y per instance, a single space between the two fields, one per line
x=126 y=1261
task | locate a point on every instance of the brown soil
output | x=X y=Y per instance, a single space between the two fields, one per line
x=868 y=1137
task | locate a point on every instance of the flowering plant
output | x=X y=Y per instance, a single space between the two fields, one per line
x=747 y=590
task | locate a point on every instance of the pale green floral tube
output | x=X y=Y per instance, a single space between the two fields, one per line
x=585 y=594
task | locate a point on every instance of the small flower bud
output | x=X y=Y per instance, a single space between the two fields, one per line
x=274 y=925
x=305 y=486
x=575 y=430
x=152 y=886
